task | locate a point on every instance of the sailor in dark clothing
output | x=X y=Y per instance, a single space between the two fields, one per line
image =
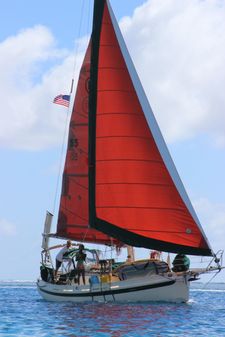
x=80 y=258
x=181 y=263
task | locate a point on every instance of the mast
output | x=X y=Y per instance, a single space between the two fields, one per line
x=130 y=254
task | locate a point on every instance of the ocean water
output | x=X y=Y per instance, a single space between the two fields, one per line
x=24 y=313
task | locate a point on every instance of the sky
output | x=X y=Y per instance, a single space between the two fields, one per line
x=178 y=48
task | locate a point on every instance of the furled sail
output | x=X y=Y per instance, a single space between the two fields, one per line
x=73 y=219
x=135 y=193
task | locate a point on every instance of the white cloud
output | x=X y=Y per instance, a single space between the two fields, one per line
x=212 y=217
x=7 y=228
x=179 y=50
x=29 y=120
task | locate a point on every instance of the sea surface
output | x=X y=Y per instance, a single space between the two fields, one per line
x=24 y=313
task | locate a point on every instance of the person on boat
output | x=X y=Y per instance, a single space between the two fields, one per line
x=181 y=263
x=128 y=260
x=80 y=258
x=155 y=255
x=59 y=256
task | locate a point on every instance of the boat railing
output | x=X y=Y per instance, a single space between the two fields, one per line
x=218 y=259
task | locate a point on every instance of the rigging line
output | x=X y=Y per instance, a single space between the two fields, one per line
x=88 y=20
x=77 y=43
x=83 y=186
x=211 y=279
x=61 y=161
x=75 y=214
x=67 y=117
x=85 y=234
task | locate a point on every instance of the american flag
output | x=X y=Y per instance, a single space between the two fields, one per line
x=62 y=100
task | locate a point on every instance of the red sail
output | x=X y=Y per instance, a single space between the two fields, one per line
x=137 y=199
x=73 y=220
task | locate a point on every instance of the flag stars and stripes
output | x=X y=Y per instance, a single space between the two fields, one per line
x=62 y=100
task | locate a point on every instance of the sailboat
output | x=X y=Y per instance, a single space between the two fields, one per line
x=120 y=187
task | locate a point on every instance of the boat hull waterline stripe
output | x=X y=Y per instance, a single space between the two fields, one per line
x=110 y=292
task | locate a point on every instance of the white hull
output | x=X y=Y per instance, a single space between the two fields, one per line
x=158 y=288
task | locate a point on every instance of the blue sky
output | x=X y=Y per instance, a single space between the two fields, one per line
x=178 y=50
